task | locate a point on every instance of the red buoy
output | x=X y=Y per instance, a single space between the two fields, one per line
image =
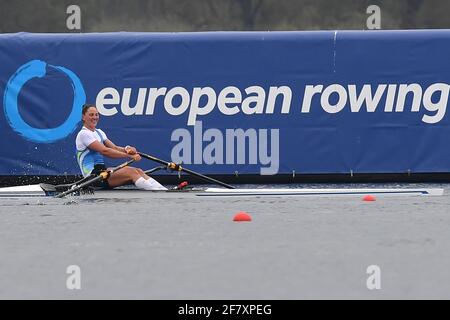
x=242 y=216
x=369 y=197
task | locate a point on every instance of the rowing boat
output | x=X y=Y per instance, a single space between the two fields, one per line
x=40 y=190
x=84 y=186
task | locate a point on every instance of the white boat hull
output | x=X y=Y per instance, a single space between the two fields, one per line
x=309 y=192
x=33 y=190
x=37 y=191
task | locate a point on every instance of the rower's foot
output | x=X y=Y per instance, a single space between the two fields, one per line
x=149 y=184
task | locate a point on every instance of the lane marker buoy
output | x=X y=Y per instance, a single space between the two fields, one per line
x=242 y=216
x=369 y=197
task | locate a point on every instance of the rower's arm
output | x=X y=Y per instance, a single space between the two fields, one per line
x=127 y=149
x=111 y=145
x=108 y=151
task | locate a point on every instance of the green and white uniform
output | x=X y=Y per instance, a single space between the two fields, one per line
x=86 y=157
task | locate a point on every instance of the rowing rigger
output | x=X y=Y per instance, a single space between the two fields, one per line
x=44 y=190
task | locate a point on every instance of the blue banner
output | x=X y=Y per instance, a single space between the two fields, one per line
x=225 y=102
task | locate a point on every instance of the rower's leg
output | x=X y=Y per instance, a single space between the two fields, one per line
x=129 y=175
x=124 y=176
x=150 y=183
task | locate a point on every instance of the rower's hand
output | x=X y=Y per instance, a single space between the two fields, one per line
x=130 y=150
x=136 y=157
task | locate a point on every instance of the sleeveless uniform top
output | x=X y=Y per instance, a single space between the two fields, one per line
x=86 y=157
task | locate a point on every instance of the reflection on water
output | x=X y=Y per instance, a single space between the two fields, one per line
x=70 y=202
x=109 y=200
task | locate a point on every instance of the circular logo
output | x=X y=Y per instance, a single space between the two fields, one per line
x=37 y=69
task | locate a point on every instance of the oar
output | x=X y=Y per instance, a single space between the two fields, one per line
x=154 y=169
x=67 y=186
x=102 y=176
x=177 y=167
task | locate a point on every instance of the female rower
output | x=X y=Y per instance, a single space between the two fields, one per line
x=92 y=144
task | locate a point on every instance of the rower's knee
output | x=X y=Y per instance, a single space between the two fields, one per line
x=136 y=173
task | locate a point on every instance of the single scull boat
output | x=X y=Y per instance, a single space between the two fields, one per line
x=42 y=190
